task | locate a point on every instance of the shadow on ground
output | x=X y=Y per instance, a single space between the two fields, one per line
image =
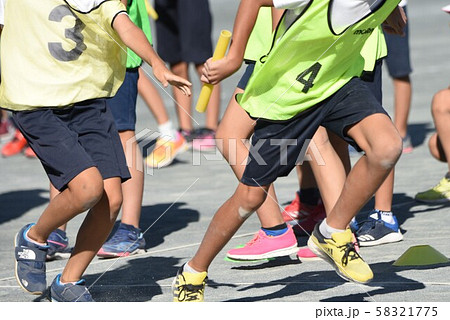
x=387 y=280
x=14 y=204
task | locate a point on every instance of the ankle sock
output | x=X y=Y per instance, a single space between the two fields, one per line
x=187 y=268
x=386 y=216
x=326 y=230
x=33 y=241
x=276 y=230
x=167 y=131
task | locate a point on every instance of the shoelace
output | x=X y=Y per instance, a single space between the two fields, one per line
x=255 y=239
x=190 y=292
x=349 y=248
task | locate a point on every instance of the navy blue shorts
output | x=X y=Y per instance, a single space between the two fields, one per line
x=246 y=76
x=123 y=104
x=277 y=147
x=71 y=140
x=183 y=31
x=398 y=59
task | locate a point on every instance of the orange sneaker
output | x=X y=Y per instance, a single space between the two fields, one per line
x=165 y=151
x=15 y=146
x=29 y=153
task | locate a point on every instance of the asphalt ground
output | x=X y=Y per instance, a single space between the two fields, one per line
x=180 y=200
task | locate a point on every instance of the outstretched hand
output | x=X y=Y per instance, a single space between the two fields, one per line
x=396 y=22
x=166 y=77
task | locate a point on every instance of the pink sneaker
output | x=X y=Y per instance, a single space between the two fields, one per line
x=205 y=140
x=305 y=254
x=263 y=247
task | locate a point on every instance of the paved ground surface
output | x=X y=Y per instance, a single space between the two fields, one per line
x=180 y=200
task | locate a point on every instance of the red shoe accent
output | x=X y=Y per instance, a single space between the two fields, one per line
x=15 y=146
x=29 y=153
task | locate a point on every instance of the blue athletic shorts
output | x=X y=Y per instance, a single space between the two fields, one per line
x=183 y=31
x=71 y=140
x=398 y=59
x=246 y=76
x=123 y=104
x=278 y=146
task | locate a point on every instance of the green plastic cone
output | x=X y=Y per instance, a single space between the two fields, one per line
x=422 y=255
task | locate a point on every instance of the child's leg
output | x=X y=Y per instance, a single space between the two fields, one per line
x=227 y=220
x=213 y=110
x=95 y=229
x=152 y=98
x=84 y=191
x=382 y=150
x=133 y=188
x=183 y=102
x=235 y=127
x=402 y=102
x=441 y=117
x=331 y=175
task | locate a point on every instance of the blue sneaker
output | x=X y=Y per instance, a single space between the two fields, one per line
x=58 y=245
x=127 y=240
x=69 y=292
x=30 y=263
x=374 y=232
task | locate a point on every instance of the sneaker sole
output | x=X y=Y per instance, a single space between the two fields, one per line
x=121 y=254
x=17 y=276
x=319 y=253
x=59 y=256
x=272 y=254
x=389 y=238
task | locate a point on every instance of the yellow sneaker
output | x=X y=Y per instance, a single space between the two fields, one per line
x=340 y=252
x=189 y=287
x=165 y=151
x=438 y=194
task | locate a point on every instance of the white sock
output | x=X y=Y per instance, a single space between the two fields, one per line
x=189 y=269
x=386 y=216
x=167 y=131
x=326 y=230
x=33 y=241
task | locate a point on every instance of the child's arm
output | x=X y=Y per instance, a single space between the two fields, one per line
x=396 y=22
x=215 y=71
x=135 y=39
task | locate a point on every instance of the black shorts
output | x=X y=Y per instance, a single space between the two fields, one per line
x=246 y=76
x=183 y=31
x=277 y=147
x=123 y=104
x=373 y=80
x=71 y=140
x=398 y=58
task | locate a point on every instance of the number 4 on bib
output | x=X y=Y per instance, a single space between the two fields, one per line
x=308 y=76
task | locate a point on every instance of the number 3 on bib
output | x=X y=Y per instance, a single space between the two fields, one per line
x=308 y=76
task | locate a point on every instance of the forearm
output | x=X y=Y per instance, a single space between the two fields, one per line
x=243 y=26
x=135 y=39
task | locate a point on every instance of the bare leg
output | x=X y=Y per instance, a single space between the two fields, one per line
x=441 y=116
x=382 y=152
x=235 y=127
x=184 y=102
x=94 y=230
x=53 y=193
x=402 y=102
x=133 y=188
x=152 y=98
x=227 y=220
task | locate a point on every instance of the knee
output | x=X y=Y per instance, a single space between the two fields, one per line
x=387 y=153
x=89 y=193
x=252 y=198
x=441 y=102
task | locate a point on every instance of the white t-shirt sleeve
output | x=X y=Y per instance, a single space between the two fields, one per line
x=2 y=12
x=290 y=4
